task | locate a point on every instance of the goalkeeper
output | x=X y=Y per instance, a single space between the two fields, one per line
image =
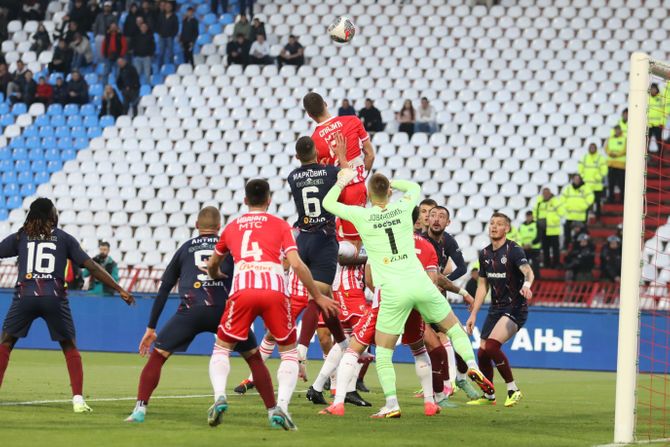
x=387 y=233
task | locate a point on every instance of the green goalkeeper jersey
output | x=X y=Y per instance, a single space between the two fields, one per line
x=387 y=234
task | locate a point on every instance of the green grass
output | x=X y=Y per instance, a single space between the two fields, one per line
x=560 y=408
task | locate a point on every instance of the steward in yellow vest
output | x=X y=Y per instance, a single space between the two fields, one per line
x=593 y=169
x=577 y=198
x=547 y=212
x=616 y=163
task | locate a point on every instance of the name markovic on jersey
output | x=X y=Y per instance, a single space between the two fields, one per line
x=309 y=173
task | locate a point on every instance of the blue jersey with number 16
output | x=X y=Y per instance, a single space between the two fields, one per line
x=309 y=185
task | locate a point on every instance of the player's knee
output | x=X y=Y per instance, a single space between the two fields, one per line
x=491 y=346
x=8 y=340
x=483 y=355
x=68 y=345
x=163 y=353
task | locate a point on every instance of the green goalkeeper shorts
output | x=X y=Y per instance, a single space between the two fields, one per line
x=398 y=300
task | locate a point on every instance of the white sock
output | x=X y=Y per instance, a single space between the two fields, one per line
x=439 y=397
x=219 y=368
x=472 y=364
x=302 y=352
x=345 y=373
x=453 y=368
x=77 y=399
x=266 y=348
x=329 y=366
x=287 y=377
x=392 y=402
x=352 y=382
x=424 y=371
x=461 y=376
x=511 y=386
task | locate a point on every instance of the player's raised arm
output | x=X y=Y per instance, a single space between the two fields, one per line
x=101 y=275
x=369 y=154
x=330 y=202
x=330 y=307
x=480 y=295
x=412 y=190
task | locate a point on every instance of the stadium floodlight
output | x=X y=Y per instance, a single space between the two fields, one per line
x=642 y=409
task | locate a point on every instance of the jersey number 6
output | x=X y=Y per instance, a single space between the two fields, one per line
x=311 y=204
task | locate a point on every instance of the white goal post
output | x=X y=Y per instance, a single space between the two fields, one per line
x=641 y=69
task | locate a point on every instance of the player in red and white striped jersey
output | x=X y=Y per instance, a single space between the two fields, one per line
x=257 y=242
x=360 y=153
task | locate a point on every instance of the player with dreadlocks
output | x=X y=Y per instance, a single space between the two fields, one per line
x=43 y=250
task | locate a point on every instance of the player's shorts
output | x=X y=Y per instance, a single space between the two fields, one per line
x=54 y=310
x=414 y=329
x=319 y=252
x=357 y=195
x=244 y=306
x=352 y=304
x=400 y=298
x=182 y=328
x=517 y=313
x=298 y=304
x=364 y=331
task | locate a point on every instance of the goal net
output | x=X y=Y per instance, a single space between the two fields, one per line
x=643 y=367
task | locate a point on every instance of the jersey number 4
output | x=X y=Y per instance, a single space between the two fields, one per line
x=311 y=204
x=250 y=249
x=39 y=259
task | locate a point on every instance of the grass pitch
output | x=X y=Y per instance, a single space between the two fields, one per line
x=560 y=408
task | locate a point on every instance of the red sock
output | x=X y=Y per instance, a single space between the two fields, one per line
x=460 y=364
x=262 y=380
x=76 y=371
x=151 y=375
x=364 y=370
x=500 y=359
x=485 y=363
x=335 y=327
x=4 y=360
x=438 y=358
x=310 y=321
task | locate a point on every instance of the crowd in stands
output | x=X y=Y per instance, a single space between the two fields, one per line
x=249 y=46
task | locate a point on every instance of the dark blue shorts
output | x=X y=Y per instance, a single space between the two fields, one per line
x=517 y=313
x=182 y=328
x=54 y=310
x=319 y=252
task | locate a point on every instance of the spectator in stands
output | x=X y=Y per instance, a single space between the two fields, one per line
x=580 y=260
x=577 y=199
x=257 y=27
x=26 y=89
x=72 y=30
x=242 y=27
x=616 y=164
x=41 y=40
x=293 y=53
x=610 y=259
x=4 y=35
x=17 y=78
x=371 y=117
x=623 y=122
x=93 y=9
x=237 y=50
x=471 y=285
x=189 y=35
x=111 y=105
x=259 y=53
x=77 y=89
x=31 y=10
x=82 y=53
x=61 y=61
x=593 y=169
x=144 y=48
x=247 y=7
x=60 y=91
x=130 y=27
x=346 y=109
x=81 y=15
x=406 y=118
x=44 y=92
x=103 y=258
x=101 y=27
x=128 y=82
x=529 y=240
x=657 y=114
x=547 y=212
x=167 y=29
x=149 y=13
x=113 y=47
x=426 y=117
x=214 y=6
x=5 y=79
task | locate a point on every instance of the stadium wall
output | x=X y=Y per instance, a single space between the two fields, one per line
x=554 y=338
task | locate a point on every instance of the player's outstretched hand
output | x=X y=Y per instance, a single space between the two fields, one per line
x=329 y=307
x=127 y=297
x=526 y=292
x=470 y=324
x=340 y=147
x=147 y=340
x=345 y=176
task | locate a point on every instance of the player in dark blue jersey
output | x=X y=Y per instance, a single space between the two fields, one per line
x=504 y=269
x=43 y=251
x=203 y=300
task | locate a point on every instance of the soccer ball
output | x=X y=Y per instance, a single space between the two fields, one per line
x=342 y=30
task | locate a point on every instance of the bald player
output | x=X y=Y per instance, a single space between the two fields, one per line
x=202 y=302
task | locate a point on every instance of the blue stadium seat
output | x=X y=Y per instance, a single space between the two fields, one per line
x=36 y=156
x=203 y=9
x=95 y=90
x=20 y=153
x=19 y=108
x=91 y=78
x=55 y=109
x=2 y=97
x=13 y=201
x=78 y=132
x=17 y=142
x=48 y=143
x=156 y=79
x=5 y=153
x=42 y=120
x=209 y=19
x=204 y=39
x=6 y=165
x=167 y=69
x=215 y=29
x=53 y=77
x=28 y=189
x=94 y=132
x=64 y=143
x=145 y=90
x=106 y=120
x=24 y=177
x=91 y=121
x=31 y=131
x=74 y=120
x=9 y=179
x=88 y=109
x=46 y=131
x=41 y=176
x=57 y=120
x=62 y=132
x=4 y=108
x=52 y=154
x=71 y=109
x=68 y=154
x=33 y=143
x=54 y=166
x=81 y=143
x=6 y=119
x=4 y=214
x=100 y=69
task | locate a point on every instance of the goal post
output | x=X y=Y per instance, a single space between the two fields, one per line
x=642 y=68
